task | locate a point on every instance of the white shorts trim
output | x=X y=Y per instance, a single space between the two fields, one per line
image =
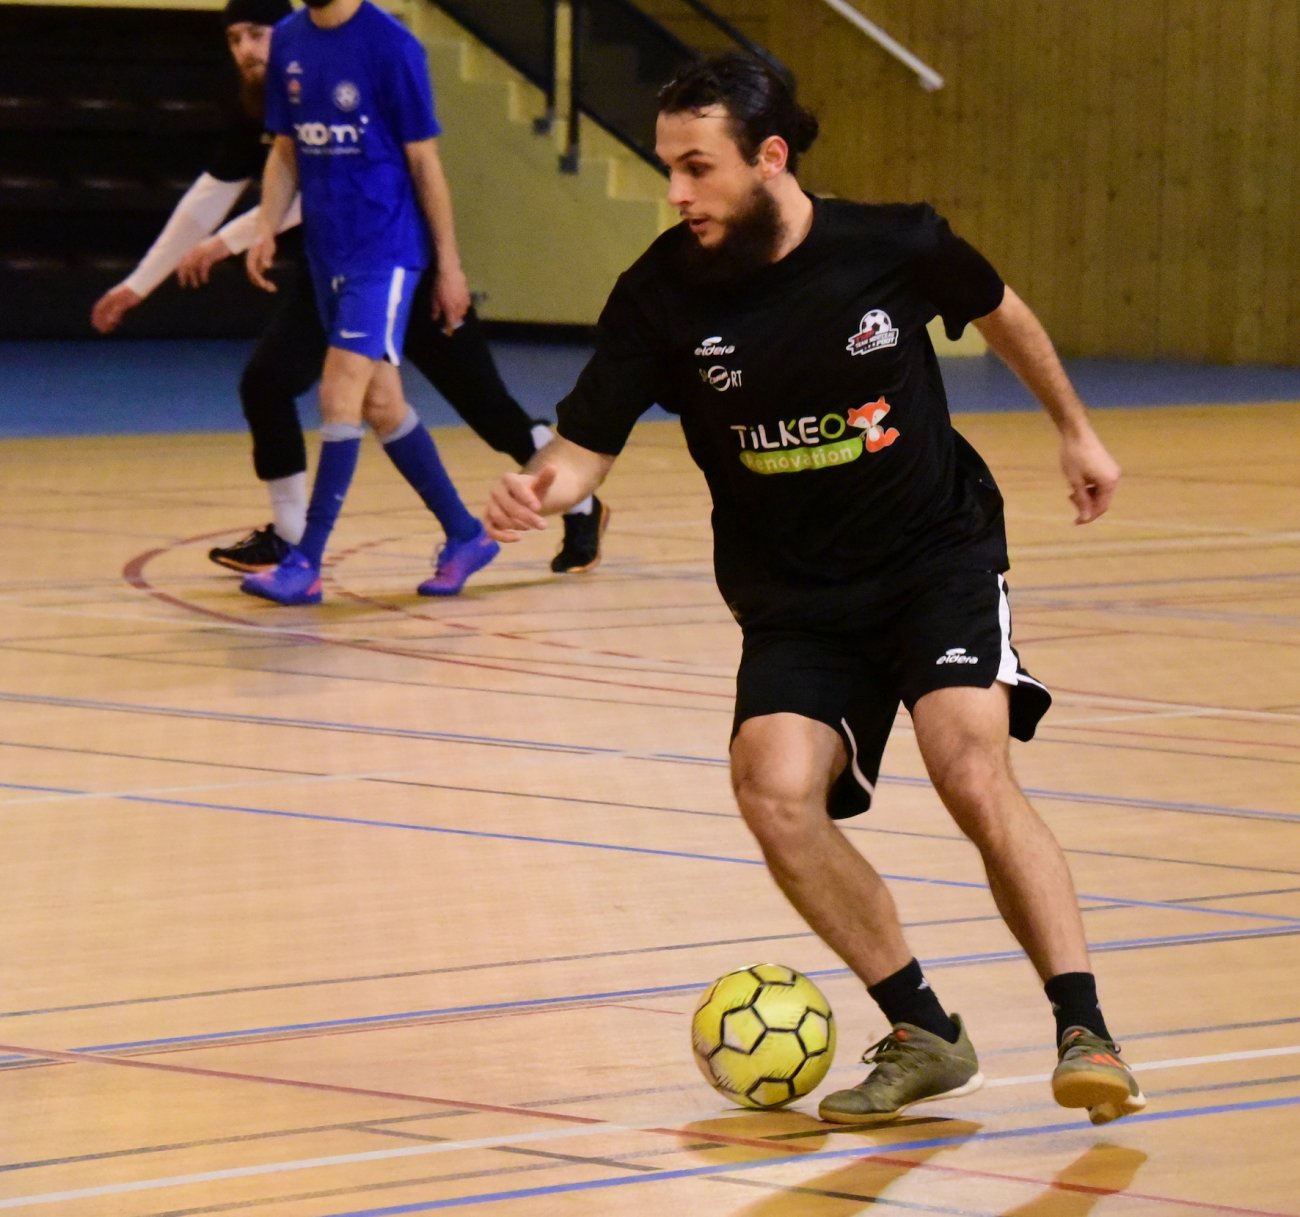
x=395 y=286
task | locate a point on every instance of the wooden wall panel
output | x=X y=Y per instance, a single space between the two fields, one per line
x=1225 y=73
x=1131 y=239
x=1184 y=265
x=1286 y=114
x=1130 y=165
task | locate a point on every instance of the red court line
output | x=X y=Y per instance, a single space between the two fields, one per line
x=1130 y=631
x=55 y=1054
x=1002 y=1177
x=1154 y=705
x=1190 y=740
x=133 y=574
x=690 y=1135
x=532 y=639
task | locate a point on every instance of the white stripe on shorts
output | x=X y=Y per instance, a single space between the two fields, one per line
x=395 y=286
x=1009 y=670
x=858 y=775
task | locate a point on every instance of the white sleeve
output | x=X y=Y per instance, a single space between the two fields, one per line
x=202 y=207
x=238 y=233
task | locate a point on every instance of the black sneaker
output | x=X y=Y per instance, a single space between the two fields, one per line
x=261 y=550
x=581 y=548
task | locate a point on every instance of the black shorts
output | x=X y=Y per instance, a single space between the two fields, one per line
x=852 y=673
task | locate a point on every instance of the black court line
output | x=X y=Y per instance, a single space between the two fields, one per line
x=233 y=1139
x=97 y=705
x=576 y=800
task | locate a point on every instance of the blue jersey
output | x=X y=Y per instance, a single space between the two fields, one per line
x=351 y=98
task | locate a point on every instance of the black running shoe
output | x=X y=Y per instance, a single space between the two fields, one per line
x=582 y=533
x=261 y=550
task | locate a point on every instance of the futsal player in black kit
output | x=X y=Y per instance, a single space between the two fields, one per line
x=288 y=357
x=858 y=540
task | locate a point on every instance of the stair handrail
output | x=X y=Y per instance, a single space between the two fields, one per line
x=569 y=159
x=560 y=75
x=738 y=36
x=930 y=79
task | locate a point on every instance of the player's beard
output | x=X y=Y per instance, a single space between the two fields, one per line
x=750 y=241
x=252 y=94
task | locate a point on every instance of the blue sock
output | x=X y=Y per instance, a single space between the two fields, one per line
x=340 y=447
x=412 y=450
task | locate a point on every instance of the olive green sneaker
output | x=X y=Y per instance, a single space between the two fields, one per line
x=1090 y=1074
x=911 y=1066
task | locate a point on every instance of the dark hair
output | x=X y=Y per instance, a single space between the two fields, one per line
x=758 y=98
x=258 y=12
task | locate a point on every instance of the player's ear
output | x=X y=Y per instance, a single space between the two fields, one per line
x=773 y=155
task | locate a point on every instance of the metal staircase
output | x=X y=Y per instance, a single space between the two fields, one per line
x=603 y=59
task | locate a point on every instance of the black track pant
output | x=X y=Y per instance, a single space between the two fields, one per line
x=288 y=359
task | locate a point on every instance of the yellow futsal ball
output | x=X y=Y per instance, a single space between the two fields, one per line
x=763 y=1036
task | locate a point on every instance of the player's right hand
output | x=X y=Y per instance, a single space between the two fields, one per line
x=112 y=306
x=258 y=261
x=195 y=267
x=514 y=504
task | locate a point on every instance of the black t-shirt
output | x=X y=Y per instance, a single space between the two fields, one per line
x=241 y=154
x=241 y=151
x=811 y=398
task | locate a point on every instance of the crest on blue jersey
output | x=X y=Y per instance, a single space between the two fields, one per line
x=346 y=95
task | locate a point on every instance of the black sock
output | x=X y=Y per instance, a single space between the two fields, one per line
x=906 y=997
x=1074 y=1002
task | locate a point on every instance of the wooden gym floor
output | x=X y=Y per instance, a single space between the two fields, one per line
x=395 y=906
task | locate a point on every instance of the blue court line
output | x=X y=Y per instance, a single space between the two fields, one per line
x=267 y=720
x=829 y=1155
x=645 y=850
x=541 y=1003
x=592 y=750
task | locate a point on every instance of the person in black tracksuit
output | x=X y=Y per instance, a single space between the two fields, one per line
x=288 y=357
x=859 y=541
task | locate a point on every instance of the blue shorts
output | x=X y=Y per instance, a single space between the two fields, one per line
x=367 y=313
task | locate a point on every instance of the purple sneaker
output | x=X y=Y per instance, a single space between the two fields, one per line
x=457 y=561
x=294 y=581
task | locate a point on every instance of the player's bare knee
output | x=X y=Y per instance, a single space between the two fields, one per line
x=974 y=781
x=781 y=815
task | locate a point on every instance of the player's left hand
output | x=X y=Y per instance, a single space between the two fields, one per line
x=258 y=260
x=1091 y=472
x=514 y=504
x=451 y=299
x=195 y=267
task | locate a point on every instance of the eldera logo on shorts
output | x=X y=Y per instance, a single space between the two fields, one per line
x=956 y=655
x=814 y=443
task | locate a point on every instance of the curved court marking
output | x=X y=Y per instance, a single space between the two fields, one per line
x=133 y=574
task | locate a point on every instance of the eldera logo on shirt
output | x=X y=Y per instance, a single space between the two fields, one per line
x=815 y=443
x=717 y=376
